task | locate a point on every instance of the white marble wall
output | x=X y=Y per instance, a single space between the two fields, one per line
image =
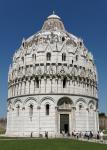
x=22 y=124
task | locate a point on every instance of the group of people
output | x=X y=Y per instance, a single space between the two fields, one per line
x=85 y=135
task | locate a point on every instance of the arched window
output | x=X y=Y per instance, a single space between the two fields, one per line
x=34 y=57
x=76 y=57
x=23 y=60
x=23 y=44
x=63 y=39
x=18 y=110
x=48 y=56
x=80 y=106
x=37 y=83
x=91 y=107
x=63 y=57
x=64 y=82
x=47 y=109
x=31 y=110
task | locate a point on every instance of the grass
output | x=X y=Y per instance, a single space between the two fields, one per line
x=50 y=144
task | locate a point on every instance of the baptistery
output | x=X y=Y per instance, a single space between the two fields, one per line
x=52 y=84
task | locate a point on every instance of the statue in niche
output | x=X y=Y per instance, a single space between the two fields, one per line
x=72 y=71
x=20 y=73
x=39 y=71
x=82 y=73
x=51 y=72
x=62 y=71
x=28 y=71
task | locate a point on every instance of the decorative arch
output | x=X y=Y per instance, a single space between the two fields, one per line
x=45 y=98
x=91 y=102
x=81 y=99
x=9 y=107
x=65 y=98
x=81 y=104
x=91 y=105
x=30 y=98
x=65 y=103
x=17 y=101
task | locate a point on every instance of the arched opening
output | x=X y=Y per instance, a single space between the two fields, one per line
x=63 y=57
x=64 y=108
x=23 y=60
x=34 y=57
x=47 y=109
x=76 y=57
x=64 y=103
x=63 y=39
x=18 y=110
x=31 y=110
x=48 y=56
x=80 y=106
x=64 y=82
x=37 y=82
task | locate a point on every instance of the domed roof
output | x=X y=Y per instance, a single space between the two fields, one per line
x=53 y=22
x=53 y=16
x=53 y=52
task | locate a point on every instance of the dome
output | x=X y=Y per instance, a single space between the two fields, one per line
x=52 y=76
x=53 y=22
x=65 y=50
x=53 y=16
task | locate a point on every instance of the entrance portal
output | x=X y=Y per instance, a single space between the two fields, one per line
x=64 y=123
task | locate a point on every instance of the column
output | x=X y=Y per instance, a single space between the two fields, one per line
x=13 y=89
x=73 y=125
x=87 y=118
x=42 y=85
x=96 y=120
x=32 y=86
x=27 y=87
x=20 y=87
x=45 y=80
x=59 y=85
x=17 y=87
x=48 y=86
x=38 y=108
x=54 y=85
x=23 y=86
x=39 y=84
x=56 y=120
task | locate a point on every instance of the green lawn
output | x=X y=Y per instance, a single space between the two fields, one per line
x=50 y=144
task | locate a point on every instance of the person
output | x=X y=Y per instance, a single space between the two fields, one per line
x=88 y=135
x=101 y=136
x=46 y=134
x=77 y=135
x=63 y=133
x=68 y=134
x=98 y=135
x=91 y=134
x=31 y=134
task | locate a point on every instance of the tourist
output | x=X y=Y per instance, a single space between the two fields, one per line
x=101 y=136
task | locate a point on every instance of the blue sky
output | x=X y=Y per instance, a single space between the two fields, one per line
x=84 y=18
